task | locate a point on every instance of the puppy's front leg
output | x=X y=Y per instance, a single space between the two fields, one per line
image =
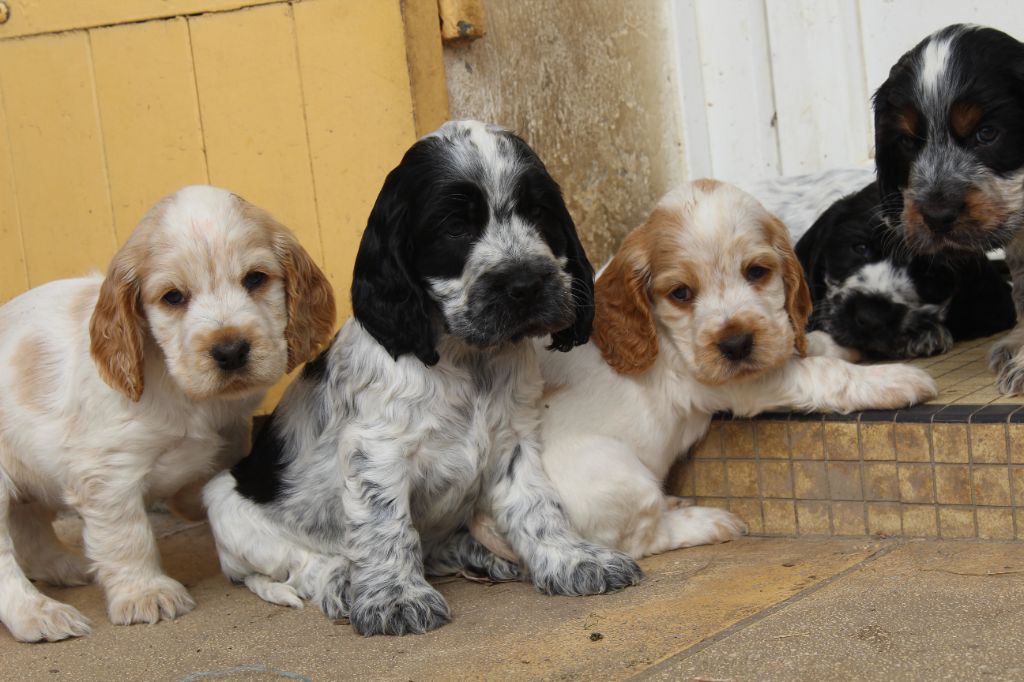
x=528 y=514
x=120 y=542
x=1006 y=358
x=817 y=384
x=389 y=595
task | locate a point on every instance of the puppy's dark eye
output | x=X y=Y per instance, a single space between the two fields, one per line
x=537 y=213
x=862 y=250
x=908 y=143
x=682 y=294
x=986 y=135
x=174 y=298
x=756 y=273
x=254 y=280
x=456 y=231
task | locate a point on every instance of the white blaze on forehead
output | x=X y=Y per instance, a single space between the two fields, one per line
x=200 y=209
x=882 y=278
x=936 y=75
x=714 y=216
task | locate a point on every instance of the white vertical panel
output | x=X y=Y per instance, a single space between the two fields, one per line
x=891 y=28
x=686 y=42
x=820 y=93
x=736 y=77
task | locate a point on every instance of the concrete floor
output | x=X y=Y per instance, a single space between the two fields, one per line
x=756 y=609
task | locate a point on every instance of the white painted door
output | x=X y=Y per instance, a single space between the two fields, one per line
x=783 y=87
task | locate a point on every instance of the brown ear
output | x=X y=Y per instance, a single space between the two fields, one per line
x=311 y=312
x=798 y=295
x=623 y=324
x=116 y=329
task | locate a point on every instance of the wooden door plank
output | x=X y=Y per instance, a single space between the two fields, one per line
x=31 y=17
x=13 y=276
x=359 y=112
x=250 y=100
x=149 y=113
x=57 y=155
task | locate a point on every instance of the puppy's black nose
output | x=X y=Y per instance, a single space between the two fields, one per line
x=737 y=347
x=232 y=355
x=940 y=216
x=523 y=287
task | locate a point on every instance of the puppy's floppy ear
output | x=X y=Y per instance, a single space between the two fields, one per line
x=798 y=295
x=311 y=310
x=890 y=168
x=116 y=329
x=809 y=251
x=582 y=289
x=388 y=298
x=623 y=323
x=310 y=298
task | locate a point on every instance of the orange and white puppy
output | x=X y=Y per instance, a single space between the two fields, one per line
x=117 y=390
x=702 y=310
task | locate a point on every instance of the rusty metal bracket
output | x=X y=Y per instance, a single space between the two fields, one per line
x=462 y=21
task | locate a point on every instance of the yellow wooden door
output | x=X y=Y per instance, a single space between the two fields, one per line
x=107 y=105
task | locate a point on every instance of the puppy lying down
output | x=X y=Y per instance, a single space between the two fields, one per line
x=702 y=310
x=875 y=297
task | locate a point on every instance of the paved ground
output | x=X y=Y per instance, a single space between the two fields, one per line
x=757 y=609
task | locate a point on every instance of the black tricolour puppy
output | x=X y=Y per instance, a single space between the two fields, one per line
x=873 y=295
x=949 y=140
x=423 y=412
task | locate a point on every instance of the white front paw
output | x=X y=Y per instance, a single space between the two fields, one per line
x=43 y=619
x=692 y=526
x=895 y=386
x=147 y=601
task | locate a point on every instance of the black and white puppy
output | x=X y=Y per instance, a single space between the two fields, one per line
x=949 y=140
x=872 y=295
x=423 y=412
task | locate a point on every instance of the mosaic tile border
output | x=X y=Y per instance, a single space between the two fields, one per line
x=812 y=476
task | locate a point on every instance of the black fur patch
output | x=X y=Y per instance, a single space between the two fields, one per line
x=258 y=476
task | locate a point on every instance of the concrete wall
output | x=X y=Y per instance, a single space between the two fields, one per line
x=591 y=86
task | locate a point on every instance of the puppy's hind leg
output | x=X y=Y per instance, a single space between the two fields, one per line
x=463 y=554
x=39 y=550
x=29 y=615
x=681 y=527
x=255 y=551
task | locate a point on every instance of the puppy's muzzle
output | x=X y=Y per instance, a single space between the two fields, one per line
x=524 y=287
x=941 y=214
x=872 y=315
x=231 y=355
x=737 y=347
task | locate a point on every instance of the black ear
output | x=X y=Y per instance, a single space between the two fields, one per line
x=890 y=166
x=582 y=289
x=809 y=249
x=388 y=298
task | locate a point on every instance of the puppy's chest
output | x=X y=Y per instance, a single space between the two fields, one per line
x=465 y=436
x=185 y=456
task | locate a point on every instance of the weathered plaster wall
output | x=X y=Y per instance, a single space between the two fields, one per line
x=590 y=85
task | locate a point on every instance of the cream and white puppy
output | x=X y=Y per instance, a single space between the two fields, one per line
x=702 y=310
x=118 y=390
